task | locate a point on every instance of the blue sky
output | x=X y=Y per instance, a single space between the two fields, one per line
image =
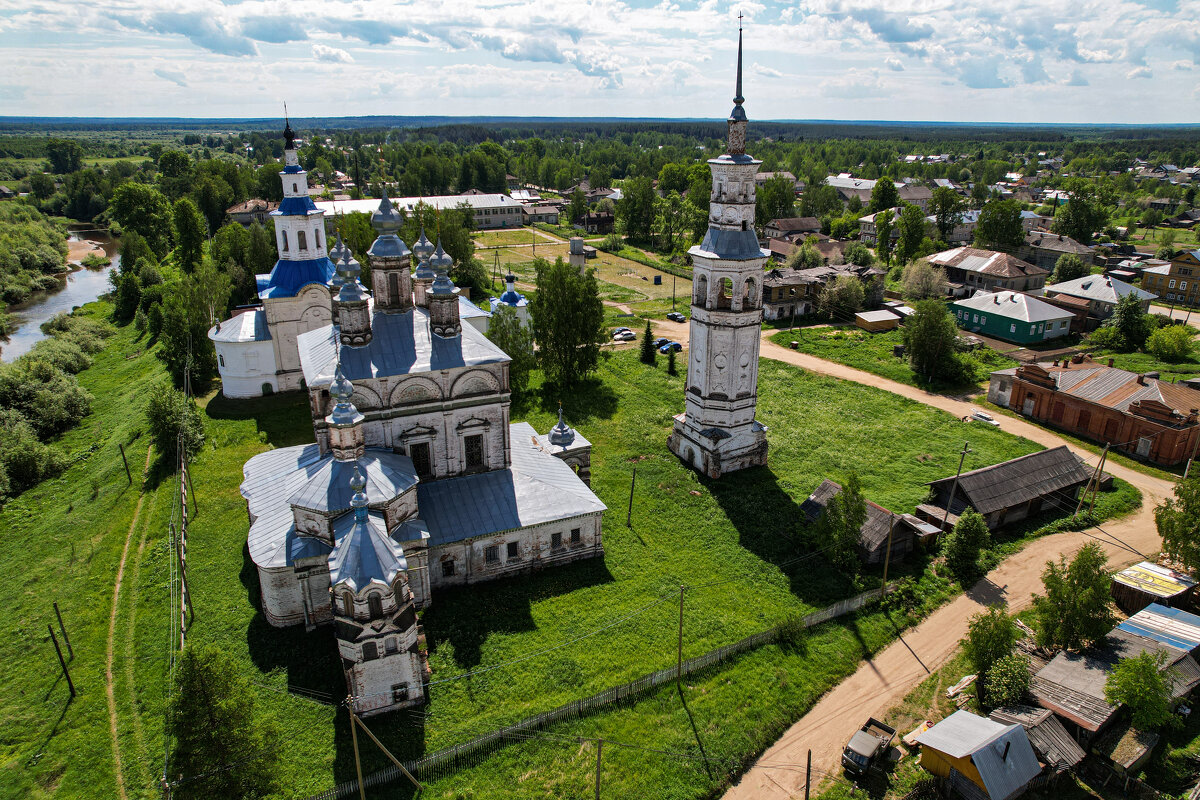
x=970 y=60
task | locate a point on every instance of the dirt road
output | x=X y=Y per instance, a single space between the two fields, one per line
x=882 y=681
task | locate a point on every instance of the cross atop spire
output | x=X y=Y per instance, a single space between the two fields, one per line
x=738 y=114
x=289 y=135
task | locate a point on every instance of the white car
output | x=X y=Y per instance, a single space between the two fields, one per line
x=624 y=336
x=983 y=416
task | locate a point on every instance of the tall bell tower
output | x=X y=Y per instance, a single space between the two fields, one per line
x=717 y=432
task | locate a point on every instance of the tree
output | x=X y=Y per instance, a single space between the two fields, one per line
x=1172 y=343
x=841 y=298
x=883 y=237
x=508 y=333
x=962 y=547
x=929 y=338
x=699 y=186
x=841 y=525
x=1178 y=521
x=946 y=207
x=267 y=184
x=212 y=196
x=647 y=355
x=912 y=231
x=260 y=251
x=567 y=318
x=194 y=305
x=922 y=280
x=1069 y=267
x=635 y=209
x=675 y=218
x=41 y=184
x=1140 y=683
x=174 y=420
x=858 y=254
x=671 y=368
x=990 y=637
x=806 y=256
x=223 y=746
x=1000 y=226
x=883 y=196
x=1075 y=610
x=66 y=155
x=1083 y=214
x=24 y=461
x=979 y=193
x=1130 y=322
x=147 y=212
x=673 y=177
x=578 y=206
x=1007 y=681
x=174 y=164
x=775 y=200
x=190 y=233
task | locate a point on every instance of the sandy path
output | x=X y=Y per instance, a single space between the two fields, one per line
x=880 y=682
x=112 y=629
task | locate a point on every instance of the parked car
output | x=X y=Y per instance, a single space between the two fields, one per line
x=660 y=341
x=625 y=336
x=622 y=329
x=675 y=316
x=865 y=746
x=669 y=346
x=983 y=416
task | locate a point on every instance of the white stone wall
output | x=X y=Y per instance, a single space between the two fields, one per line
x=245 y=367
x=287 y=318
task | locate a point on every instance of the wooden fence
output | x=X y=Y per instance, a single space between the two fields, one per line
x=445 y=762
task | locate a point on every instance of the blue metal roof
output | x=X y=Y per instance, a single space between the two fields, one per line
x=292 y=169
x=1169 y=626
x=731 y=245
x=289 y=277
x=296 y=207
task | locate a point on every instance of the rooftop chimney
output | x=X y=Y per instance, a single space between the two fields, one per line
x=1110 y=362
x=1141 y=379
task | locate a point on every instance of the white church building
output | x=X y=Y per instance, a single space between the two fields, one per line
x=717 y=433
x=417 y=479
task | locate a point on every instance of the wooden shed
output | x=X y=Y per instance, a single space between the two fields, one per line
x=1138 y=586
x=877 y=321
x=1054 y=746
x=873 y=536
x=978 y=756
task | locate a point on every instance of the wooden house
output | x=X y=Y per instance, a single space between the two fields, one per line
x=1054 y=747
x=979 y=757
x=873 y=536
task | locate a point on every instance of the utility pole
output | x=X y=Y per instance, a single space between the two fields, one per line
x=362 y=790
x=679 y=659
x=887 y=556
x=954 y=486
x=629 y=514
x=808 y=775
x=599 y=751
x=61 y=661
x=63 y=628
x=1195 y=447
x=1095 y=479
x=354 y=718
x=672 y=291
x=1096 y=483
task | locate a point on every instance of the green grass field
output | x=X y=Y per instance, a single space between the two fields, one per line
x=738 y=538
x=504 y=238
x=872 y=352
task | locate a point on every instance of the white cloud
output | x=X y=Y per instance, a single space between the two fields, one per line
x=1139 y=72
x=765 y=71
x=171 y=75
x=894 y=64
x=331 y=55
x=855 y=83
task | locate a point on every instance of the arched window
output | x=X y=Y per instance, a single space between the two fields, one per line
x=375 y=605
x=221 y=359
x=317 y=238
x=294 y=189
x=750 y=294
x=301 y=240
x=725 y=298
x=348 y=603
x=285 y=241
x=701 y=298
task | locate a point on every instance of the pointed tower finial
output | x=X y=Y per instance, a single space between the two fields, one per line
x=738 y=99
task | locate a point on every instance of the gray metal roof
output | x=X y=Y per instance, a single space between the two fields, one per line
x=1001 y=753
x=402 y=344
x=364 y=553
x=732 y=245
x=1099 y=288
x=1170 y=626
x=1014 y=305
x=327 y=489
x=1019 y=480
x=249 y=326
x=1047 y=735
x=537 y=488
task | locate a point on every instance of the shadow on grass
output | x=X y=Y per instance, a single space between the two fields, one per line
x=284 y=418
x=464 y=617
x=401 y=732
x=586 y=400
x=768 y=522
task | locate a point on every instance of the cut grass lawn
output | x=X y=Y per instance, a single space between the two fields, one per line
x=503 y=238
x=873 y=352
x=737 y=537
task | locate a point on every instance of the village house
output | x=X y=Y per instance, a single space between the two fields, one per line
x=1051 y=742
x=1011 y=317
x=1177 y=282
x=1009 y=491
x=792 y=228
x=873 y=537
x=1139 y=415
x=539 y=212
x=1044 y=249
x=251 y=211
x=867 y=230
x=597 y=222
x=974 y=270
x=487 y=211
x=763 y=177
x=1101 y=293
x=788 y=292
x=979 y=757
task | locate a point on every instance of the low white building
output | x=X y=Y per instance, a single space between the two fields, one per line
x=245 y=355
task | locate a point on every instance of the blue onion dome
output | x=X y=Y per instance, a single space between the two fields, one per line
x=561 y=435
x=341 y=389
x=423 y=248
x=349 y=267
x=441 y=262
x=386 y=220
x=336 y=252
x=510 y=296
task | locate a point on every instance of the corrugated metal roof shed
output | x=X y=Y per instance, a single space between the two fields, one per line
x=1155 y=580
x=1171 y=626
x=1012 y=483
x=1001 y=753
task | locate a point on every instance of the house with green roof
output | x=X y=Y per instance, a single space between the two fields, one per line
x=1011 y=316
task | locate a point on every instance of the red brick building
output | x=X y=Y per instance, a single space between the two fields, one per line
x=1141 y=416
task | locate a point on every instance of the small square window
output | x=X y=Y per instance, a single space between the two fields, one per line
x=1171 y=285
x=576 y=538
x=491 y=553
x=399 y=692
x=448 y=568
x=474 y=451
x=1012 y=328
x=556 y=541
x=514 y=551
x=389 y=645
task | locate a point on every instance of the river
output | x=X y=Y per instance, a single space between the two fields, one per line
x=80 y=287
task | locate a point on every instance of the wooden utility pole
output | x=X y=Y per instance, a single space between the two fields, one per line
x=1095 y=479
x=187 y=473
x=362 y=790
x=679 y=659
x=125 y=461
x=62 y=662
x=63 y=628
x=672 y=291
x=629 y=514
x=599 y=751
x=808 y=775
x=954 y=486
x=1096 y=483
x=887 y=556
x=1195 y=447
x=355 y=719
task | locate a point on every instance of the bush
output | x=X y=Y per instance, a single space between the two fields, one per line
x=174 y=420
x=62 y=353
x=1140 y=684
x=24 y=461
x=1108 y=338
x=1173 y=343
x=964 y=544
x=49 y=398
x=95 y=261
x=612 y=243
x=1007 y=680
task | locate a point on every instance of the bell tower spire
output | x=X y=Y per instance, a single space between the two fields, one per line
x=737 y=117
